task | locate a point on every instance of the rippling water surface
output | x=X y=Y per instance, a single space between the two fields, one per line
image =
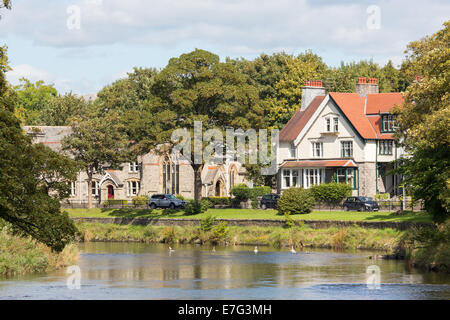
x=142 y=271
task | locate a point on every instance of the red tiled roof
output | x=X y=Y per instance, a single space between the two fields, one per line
x=320 y=164
x=355 y=108
x=383 y=102
x=375 y=121
x=298 y=121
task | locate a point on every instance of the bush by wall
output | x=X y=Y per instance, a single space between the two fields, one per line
x=243 y=193
x=196 y=207
x=296 y=201
x=219 y=201
x=140 y=200
x=331 y=193
x=114 y=202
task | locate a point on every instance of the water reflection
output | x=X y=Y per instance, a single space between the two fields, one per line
x=141 y=271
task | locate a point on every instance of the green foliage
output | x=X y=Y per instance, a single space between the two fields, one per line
x=296 y=201
x=207 y=223
x=424 y=123
x=220 y=232
x=241 y=193
x=169 y=235
x=382 y=196
x=290 y=223
x=179 y=196
x=114 y=202
x=140 y=200
x=331 y=193
x=222 y=201
x=194 y=207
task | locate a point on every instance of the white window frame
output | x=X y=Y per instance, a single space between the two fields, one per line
x=73 y=188
x=328 y=124
x=336 y=124
x=133 y=167
x=315 y=149
x=290 y=178
x=95 y=188
x=346 y=149
x=133 y=188
x=313 y=176
x=293 y=151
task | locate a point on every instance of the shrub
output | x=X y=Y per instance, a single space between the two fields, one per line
x=241 y=193
x=140 y=201
x=290 y=223
x=114 y=202
x=331 y=193
x=296 y=201
x=382 y=196
x=196 y=207
x=179 y=196
x=207 y=223
x=169 y=235
x=219 y=201
x=220 y=232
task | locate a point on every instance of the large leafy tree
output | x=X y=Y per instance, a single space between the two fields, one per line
x=198 y=87
x=424 y=122
x=98 y=141
x=33 y=178
x=33 y=99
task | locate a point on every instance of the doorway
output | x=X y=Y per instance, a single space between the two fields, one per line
x=110 y=193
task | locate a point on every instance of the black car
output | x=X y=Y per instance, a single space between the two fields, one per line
x=165 y=201
x=269 y=201
x=360 y=204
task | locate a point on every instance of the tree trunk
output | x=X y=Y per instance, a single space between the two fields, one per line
x=198 y=168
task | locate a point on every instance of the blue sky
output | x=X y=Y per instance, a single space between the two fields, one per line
x=116 y=35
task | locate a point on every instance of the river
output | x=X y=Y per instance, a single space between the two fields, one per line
x=142 y=271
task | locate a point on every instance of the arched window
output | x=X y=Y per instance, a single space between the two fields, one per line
x=232 y=177
x=171 y=176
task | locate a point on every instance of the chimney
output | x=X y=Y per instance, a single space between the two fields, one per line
x=311 y=90
x=367 y=86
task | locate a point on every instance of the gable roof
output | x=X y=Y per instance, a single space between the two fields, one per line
x=363 y=113
x=299 y=120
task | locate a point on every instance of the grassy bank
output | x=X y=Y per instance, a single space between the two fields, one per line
x=20 y=256
x=337 y=238
x=251 y=214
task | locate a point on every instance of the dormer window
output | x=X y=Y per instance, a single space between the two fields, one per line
x=332 y=124
x=328 y=125
x=387 y=123
x=336 y=124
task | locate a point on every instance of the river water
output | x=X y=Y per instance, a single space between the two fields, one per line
x=142 y=271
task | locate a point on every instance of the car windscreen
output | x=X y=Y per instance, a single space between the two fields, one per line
x=366 y=199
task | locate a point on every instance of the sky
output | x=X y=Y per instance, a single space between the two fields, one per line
x=84 y=45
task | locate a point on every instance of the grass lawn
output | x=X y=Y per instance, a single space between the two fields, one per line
x=250 y=214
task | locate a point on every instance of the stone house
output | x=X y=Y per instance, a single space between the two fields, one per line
x=151 y=174
x=344 y=137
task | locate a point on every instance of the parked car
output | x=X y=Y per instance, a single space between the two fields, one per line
x=360 y=204
x=165 y=201
x=269 y=201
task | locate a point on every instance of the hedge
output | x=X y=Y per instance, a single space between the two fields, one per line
x=219 y=201
x=331 y=193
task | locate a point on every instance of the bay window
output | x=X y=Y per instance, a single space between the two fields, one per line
x=290 y=178
x=313 y=177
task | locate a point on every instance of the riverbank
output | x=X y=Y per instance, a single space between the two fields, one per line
x=19 y=256
x=334 y=238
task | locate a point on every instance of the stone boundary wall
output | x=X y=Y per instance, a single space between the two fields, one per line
x=315 y=224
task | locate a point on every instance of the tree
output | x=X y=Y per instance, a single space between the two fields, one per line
x=33 y=98
x=98 y=140
x=306 y=66
x=59 y=109
x=32 y=178
x=424 y=122
x=198 y=87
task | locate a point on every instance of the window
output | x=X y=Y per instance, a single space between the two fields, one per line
x=313 y=177
x=232 y=177
x=336 y=124
x=387 y=123
x=328 y=125
x=347 y=149
x=171 y=176
x=346 y=175
x=317 y=149
x=134 y=167
x=73 y=188
x=290 y=178
x=133 y=188
x=385 y=147
x=292 y=150
x=94 y=188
